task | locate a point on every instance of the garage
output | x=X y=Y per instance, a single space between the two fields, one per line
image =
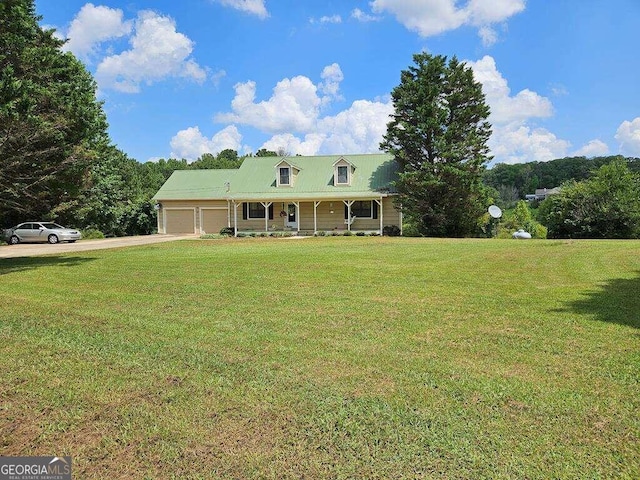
x=180 y=220
x=213 y=219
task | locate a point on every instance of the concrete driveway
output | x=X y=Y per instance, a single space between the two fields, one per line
x=36 y=249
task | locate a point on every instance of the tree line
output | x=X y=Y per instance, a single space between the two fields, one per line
x=513 y=182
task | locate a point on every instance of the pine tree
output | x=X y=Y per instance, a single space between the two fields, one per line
x=438 y=135
x=50 y=120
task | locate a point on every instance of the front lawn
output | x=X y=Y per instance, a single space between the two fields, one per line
x=326 y=358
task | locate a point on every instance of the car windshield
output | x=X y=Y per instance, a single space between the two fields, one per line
x=51 y=226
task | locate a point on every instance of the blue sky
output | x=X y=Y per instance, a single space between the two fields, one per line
x=314 y=77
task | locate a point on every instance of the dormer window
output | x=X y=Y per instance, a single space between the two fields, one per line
x=285 y=175
x=342 y=173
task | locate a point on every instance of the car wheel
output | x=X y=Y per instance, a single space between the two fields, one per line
x=52 y=239
x=14 y=240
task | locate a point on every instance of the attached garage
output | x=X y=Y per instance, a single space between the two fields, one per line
x=180 y=220
x=213 y=219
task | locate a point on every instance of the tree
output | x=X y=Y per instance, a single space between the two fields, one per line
x=50 y=121
x=438 y=135
x=607 y=205
x=225 y=159
x=263 y=152
x=116 y=202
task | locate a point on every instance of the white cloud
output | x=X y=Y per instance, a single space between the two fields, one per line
x=514 y=140
x=359 y=129
x=432 y=17
x=595 y=148
x=192 y=144
x=254 y=7
x=94 y=25
x=488 y=36
x=628 y=134
x=332 y=76
x=504 y=107
x=327 y=19
x=361 y=16
x=158 y=51
x=483 y=12
x=292 y=144
x=293 y=107
x=218 y=76
x=519 y=144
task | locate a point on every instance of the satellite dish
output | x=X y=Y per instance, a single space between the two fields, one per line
x=495 y=211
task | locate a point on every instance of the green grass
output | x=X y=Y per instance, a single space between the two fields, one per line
x=326 y=358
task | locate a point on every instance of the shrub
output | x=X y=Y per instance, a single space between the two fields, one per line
x=391 y=231
x=211 y=236
x=348 y=233
x=92 y=233
x=360 y=234
x=520 y=218
x=410 y=230
x=227 y=231
x=321 y=233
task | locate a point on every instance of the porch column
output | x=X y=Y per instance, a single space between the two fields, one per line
x=228 y=214
x=380 y=213
x=266 y=206
x=348 y=203
x=235 y=218
x=315 y=216
x=297 y=204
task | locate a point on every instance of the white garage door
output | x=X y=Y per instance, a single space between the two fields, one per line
x=213 y=220
x=180 y=221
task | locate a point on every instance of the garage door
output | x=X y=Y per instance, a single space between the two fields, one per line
x=213 y=220
x=180 y=221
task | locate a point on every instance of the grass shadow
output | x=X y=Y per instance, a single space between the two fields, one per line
x=617 y=301
x=21 y=264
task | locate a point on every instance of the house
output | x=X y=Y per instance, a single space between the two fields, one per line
x=303 y=195
x=541 y=194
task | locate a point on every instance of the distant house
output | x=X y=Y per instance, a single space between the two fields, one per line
x=542 y=194
x=304 y=195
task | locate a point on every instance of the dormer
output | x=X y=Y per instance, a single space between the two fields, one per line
x=342 y=173
x=286 y=174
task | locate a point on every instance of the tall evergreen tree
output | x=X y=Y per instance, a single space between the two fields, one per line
x=50 y=120
x=438 y=135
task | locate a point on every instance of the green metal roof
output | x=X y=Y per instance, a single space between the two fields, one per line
x=256 y=180
x=196 y=185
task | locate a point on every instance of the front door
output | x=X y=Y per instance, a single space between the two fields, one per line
x=292 y=218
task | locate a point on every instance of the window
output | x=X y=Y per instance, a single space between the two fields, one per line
x=285 y=173
x=255 y=210
x=343 y=174
x=363 y=209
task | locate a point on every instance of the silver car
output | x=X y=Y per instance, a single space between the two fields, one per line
x=41 y=232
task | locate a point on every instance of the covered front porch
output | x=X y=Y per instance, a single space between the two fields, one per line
x=311 y=217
